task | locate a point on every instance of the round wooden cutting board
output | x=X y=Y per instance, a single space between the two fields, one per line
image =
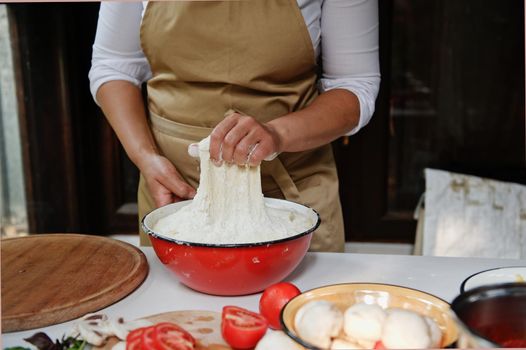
x=52 y=278
x=205 y=327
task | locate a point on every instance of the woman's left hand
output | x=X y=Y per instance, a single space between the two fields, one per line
x=241 y=139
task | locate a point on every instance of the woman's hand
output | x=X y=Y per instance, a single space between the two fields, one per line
x=122 y=104
x=242 y=140
x=164 y=181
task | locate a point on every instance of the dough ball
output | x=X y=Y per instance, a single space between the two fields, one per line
x=364 y=322
x=435 y=332
x=273 y=340
x=317 y=322
x=343 y=344
x=404 y=329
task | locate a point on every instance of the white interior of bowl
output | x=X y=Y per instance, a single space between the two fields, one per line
x=151 y=219
x=495 y=276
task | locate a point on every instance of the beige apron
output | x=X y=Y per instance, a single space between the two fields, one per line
x=255 y=57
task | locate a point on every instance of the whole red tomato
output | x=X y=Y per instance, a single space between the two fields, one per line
x=274 y=299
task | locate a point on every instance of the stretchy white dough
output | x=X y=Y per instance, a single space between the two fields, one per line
x=229 y=208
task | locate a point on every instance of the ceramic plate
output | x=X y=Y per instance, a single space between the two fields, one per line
x=494 y=276
x=385 y=295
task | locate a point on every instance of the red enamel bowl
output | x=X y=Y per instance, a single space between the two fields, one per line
x=231 y=269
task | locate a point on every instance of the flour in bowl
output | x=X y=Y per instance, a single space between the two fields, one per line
x=229 y=208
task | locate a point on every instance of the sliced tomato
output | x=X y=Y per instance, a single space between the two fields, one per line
x=134 y=334
x=162 y=336
x=147 y=339
x=274 y=299
x=241 y=328
x=134 y=339
x=169 y=336
x=134 y=344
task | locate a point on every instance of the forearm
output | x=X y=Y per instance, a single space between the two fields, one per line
x=331 y=115
x=122 y=104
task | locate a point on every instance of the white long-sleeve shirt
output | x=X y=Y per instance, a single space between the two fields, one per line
x=343 y=32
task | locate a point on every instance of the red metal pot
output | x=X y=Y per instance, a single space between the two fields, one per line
x=230 y=269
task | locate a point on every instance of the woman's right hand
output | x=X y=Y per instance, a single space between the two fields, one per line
x=164 y=182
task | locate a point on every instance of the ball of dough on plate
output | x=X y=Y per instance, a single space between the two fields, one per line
x=343 y=344
x=317 y=322
x=273 y=340
x=404 y=329
x=435 y=332
x=363 y=322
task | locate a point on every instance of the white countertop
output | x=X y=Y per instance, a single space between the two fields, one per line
x=161 y=292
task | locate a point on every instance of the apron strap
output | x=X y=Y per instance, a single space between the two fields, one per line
x=282 y=178
x=179 y=130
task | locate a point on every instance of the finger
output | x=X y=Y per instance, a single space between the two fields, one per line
x=271 y=157
x=160 y=194
x=250 y=154
x=231 y=140
x=218 y=134
x=264 y=149
x=179 y=187
x=162 y=199
x=244 y=148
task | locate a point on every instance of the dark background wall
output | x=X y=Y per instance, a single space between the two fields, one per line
x=452 y=97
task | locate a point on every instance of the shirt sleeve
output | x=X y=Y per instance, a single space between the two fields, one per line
x=350 y=51
x=117 y=53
